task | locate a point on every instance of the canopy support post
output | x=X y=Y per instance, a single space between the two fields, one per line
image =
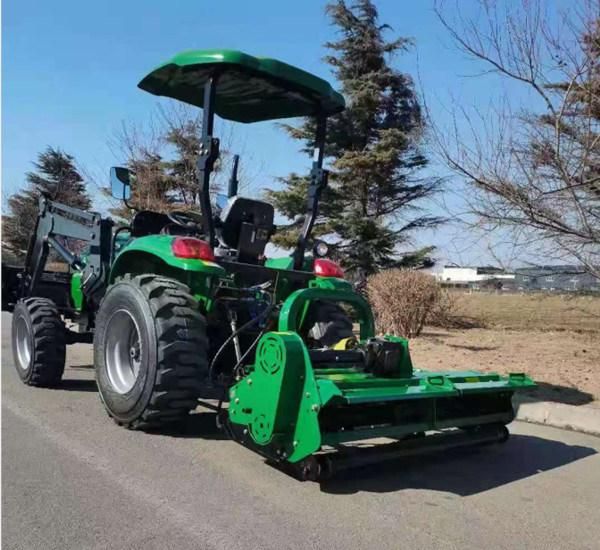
x=318 y=182
x=209 y=153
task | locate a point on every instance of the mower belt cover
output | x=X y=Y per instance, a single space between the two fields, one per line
x=292 y=402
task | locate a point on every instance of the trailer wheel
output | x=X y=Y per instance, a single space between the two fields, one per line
x=149 y=351
x=38 y=342
x=328 y=323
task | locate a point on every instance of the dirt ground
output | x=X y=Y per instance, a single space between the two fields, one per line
x=565 y=364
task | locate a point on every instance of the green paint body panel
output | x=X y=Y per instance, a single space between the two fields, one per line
x=284 y=262
x=331 y=283
x=159 y=247
x=279 y=400
x=76 y=291
x=153 y=254
x=249 y=89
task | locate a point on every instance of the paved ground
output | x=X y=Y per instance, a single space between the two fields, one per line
x=73 y=479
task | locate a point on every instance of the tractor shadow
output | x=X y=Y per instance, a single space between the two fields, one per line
x=556 y=393
x=198 y=425
x=463 y=472
x=76 y=384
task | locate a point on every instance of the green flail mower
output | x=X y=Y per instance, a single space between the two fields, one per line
x=177 y=304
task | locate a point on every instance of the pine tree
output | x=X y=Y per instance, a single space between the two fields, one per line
x=371 y=208
x=55 y=176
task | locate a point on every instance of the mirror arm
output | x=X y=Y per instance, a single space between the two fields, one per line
x=128 y=205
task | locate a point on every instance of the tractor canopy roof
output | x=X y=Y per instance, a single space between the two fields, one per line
x=249 y=89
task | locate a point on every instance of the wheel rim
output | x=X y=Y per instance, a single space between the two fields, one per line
x=23 y=342
x=122 y=351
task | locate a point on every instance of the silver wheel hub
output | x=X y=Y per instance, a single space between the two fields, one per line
x=23 y=342
x=122 y=352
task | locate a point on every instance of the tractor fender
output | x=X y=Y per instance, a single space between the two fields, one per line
x=154 y=254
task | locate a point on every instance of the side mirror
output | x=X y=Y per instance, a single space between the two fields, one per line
x=120 y=182
x=221 y=202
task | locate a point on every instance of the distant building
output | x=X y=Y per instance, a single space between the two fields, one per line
x=452 y=275
x=553 y=278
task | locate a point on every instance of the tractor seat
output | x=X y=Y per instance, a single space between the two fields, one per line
x=247 y=226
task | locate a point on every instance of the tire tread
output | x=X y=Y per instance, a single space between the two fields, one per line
x=49 y=342
x=182 y=364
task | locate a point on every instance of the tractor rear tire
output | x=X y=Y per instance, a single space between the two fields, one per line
x=150 y=352
x=328 y=323
x=38 y=342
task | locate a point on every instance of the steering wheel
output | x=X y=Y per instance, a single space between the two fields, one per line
x=186 y=219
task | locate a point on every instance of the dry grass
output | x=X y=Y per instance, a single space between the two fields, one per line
x=531 y=311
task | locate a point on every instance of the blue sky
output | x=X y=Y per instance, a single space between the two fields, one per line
x=70 y=70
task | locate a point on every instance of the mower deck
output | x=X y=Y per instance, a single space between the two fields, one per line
x=294 y=403
x=334 y=459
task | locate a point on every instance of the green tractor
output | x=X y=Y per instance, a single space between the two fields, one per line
x=179 y=304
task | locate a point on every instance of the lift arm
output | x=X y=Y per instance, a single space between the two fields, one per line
x=59 y=220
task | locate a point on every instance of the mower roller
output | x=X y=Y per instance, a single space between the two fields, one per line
x=181 y=303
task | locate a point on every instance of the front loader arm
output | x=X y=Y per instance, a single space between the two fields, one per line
x=59 y=220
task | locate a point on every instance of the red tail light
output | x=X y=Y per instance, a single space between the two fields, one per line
x=327 y=268
x=190 y=247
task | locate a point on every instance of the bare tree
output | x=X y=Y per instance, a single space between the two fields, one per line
x=163 y=153
x=533 y=172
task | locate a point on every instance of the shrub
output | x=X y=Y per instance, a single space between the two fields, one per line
x=402 y=300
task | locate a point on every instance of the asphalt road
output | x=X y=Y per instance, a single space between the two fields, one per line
x=73 y=479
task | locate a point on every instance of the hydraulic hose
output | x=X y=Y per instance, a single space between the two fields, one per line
x=241 y=329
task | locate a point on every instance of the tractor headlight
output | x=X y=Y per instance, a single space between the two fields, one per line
x=321 y=249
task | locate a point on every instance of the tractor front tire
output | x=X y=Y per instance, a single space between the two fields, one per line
x=150 y=352
x=38 y=342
